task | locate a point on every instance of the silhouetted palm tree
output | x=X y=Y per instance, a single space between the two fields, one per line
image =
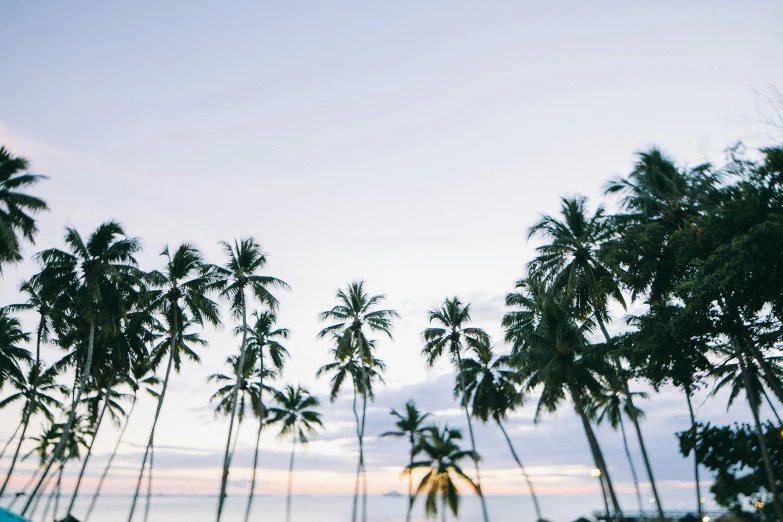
x=443 y=461
x=410 y=425
x=355 y=310
x=295 y=412
x=235 y=280
x=11 y=354
x=453 y=337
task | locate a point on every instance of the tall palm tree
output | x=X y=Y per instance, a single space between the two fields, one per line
x=11 y=354
x=411 y=425
x=249 y=393
x=571 y=260
x=443 y=454
x=91 y=282
x=37 y=390
x=491 y=391
x=295 y=412
x=16 y=223
x=550 y=351
x=182 y=296
x=453 y=336
x=356 y=309
x=264 y=340
x=238 y=278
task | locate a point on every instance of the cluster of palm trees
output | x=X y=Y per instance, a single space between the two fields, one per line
x=678 y=247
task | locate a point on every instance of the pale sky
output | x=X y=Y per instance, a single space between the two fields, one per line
x=409 y=144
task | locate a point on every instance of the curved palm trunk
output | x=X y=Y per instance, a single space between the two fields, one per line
x=472 y=438
x=13 y=436
x=524 y=472
x=172 y=347
x=637 y=427
x=25 y=422
x=87 y=457
x=695 y=455
x=149 y=484
x=598 y=456
x=290 y=483
x=234 y=397
x=771 y=481
x=21 y=492
x=109 y=463
x=262 y=415
x=61 y=445
x=630 y=464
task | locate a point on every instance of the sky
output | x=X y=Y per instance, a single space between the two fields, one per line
x=407 y=144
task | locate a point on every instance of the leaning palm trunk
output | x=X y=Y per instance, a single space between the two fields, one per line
x=637 y=427
x=262 y=415
x=25 y=422
x=410 y=480
x=149 y=484
x=695 y=455
x=109 y=463
x=524 y=472
x=771 y=481
x=172 y=347
x=290 y=483
x=598 y=455
x=13 y=436
x=62 y=444
x=472 y=438
x=234 y=397
x=630 y=464
x=87 y=457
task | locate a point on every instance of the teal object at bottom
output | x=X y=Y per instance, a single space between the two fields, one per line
x=7 y=516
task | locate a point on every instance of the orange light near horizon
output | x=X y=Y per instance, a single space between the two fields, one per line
x=595 y=472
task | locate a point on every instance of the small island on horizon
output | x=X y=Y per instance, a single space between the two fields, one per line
x=393 y=494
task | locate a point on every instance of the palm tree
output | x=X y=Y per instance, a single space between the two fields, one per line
x=355 y=310
x=90 y=282
x=11 y=354
x=550 y=351
x=410 y=425
x=454 y=336
x=16 y=207
x=443 y=461
x=37 y=393
x=297 y=415
x=571 y=260
x=491 y=391
x=264 y=339
x=235 y=280
x=182 y=298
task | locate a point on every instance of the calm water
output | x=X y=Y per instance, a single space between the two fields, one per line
x=338 y=508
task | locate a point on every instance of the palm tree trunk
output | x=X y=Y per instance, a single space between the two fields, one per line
x=524 y=472
x=695 y=455
x=108 y=464
x=359 y=464
x=61 y=445
x=47 y=480
x=262 y=415
x=24 y=488
x=149 y=484
x=472 y=438
x=443 y=507
x=769 y=377
x=25 y=422
x=410 y=481
x=13 y=436
x=173 y=341
x=234 y=397
x=598 y=455
x=363 y=471
x=771 y=481
x=89 y=452
x=290 y=483
x=637 y=427
x=58 y=489
x=630 y=464
x=771 y=406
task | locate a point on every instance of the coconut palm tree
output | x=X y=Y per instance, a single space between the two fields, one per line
x=443 y=456
x=238 y=278
x=453 y=336
x=16 y=223
x=264 y=340
x=551 y=353
x=491 y=391
x=11 y=354
x=182 y=297
x=356 y=315
x=38 y=391
x=295 y=412
x=571 y=260
x=410 y=425
x=90 y=284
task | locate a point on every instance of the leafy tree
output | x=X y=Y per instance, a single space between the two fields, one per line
x=16 y=223
x=296 y=414
x=238 y=278
x=454 y=337
x=410 y=425
x=355 y=310
x=443 y=456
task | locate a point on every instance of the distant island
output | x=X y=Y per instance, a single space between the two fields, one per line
x=392 y=494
